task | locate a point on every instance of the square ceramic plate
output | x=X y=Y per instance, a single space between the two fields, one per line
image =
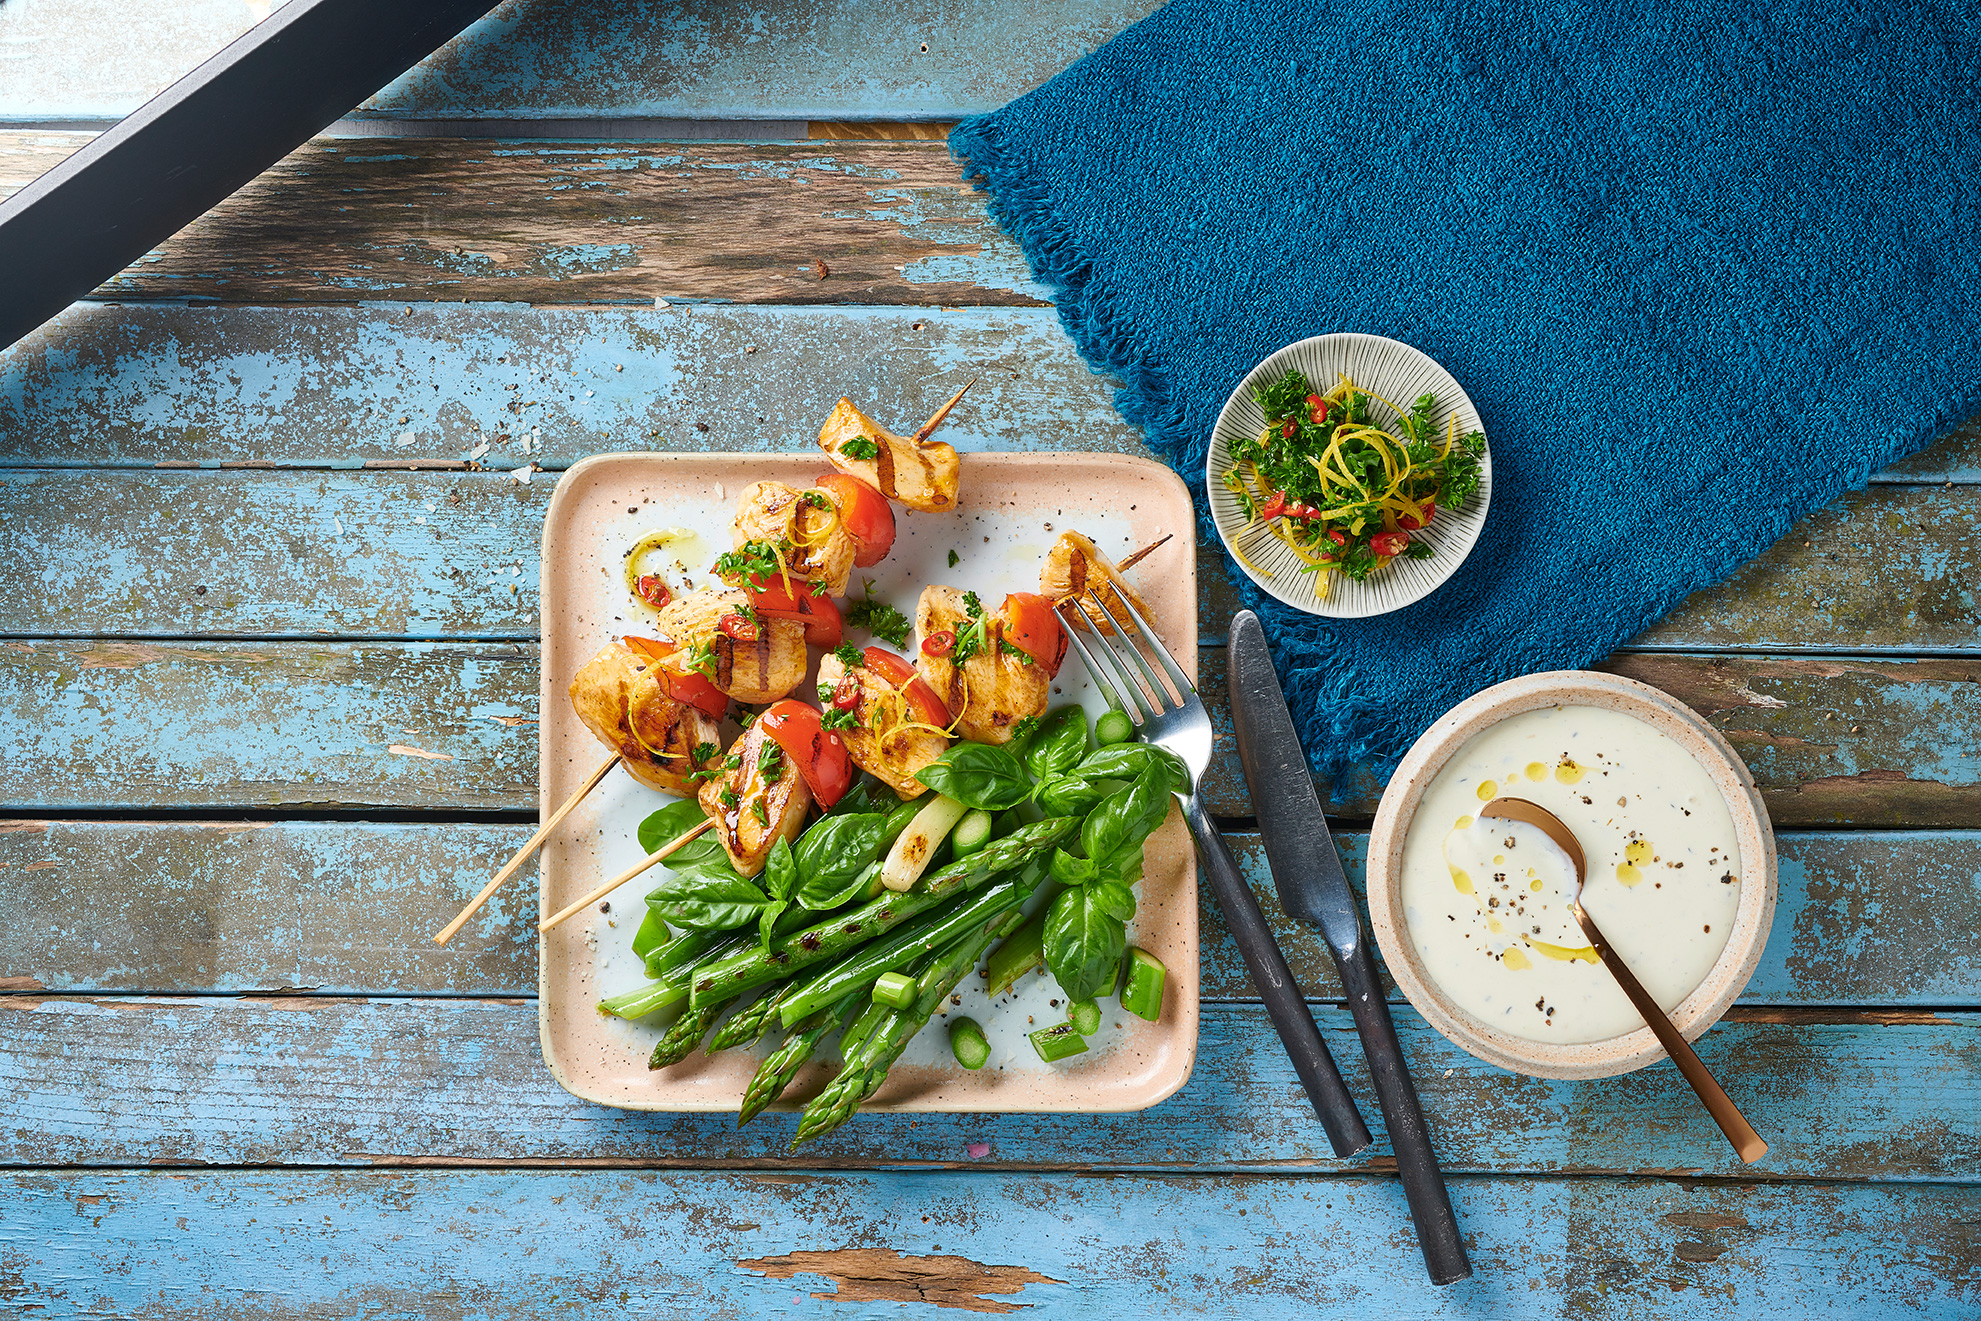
x=1013 y=506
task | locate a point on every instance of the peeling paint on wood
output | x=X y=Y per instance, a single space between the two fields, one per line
x=1864 y=918
x=866 y=1275
x=295 y=1080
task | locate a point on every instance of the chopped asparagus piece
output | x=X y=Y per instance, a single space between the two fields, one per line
x=1141 y=992
x=1057 y=1043
x=1113 y=727
x=1085 y=1016
x=971 y=833
x=968 y=1043
x=896 y=989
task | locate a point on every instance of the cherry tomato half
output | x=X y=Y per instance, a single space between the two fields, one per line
x=868 y=517
x=1389 y=543
x=819 y=753
x=927 y=707
x=939 y=644
x=653 y=590
x=1031 y=625
x=824 y=626
x=691 y=688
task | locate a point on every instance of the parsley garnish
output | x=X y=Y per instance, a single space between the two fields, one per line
x=878 y=618
x=1024 y=729
x=837 y=719
x=848 y=656
x=825 y=693
x=770 y=763
x=953 y=557
x=726 y=796
x=701 y=659
x=974 y=636
x=702 y=754
x=816 y=499
x=760 y=810
x=860 y=448
x=757 y=559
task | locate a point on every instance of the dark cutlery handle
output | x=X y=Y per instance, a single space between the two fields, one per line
x=1423 y=1186
x=1284 y=1003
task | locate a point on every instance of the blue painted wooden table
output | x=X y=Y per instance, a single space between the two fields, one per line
x=267 y=718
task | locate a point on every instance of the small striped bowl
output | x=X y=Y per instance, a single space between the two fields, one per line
x=1381 y=366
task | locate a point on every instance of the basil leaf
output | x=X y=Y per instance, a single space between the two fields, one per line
x=1127 y=761
x=672 y=822
x=978 y=775
x=708 y=899
x=1086 y=934
x=767 y=923
x=1068 y=795
x=1061 y=743
x=836 y=853
x=780 y=871
x=1113 y=832
x=1069 y=870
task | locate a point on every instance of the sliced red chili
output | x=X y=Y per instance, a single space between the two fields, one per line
x=1289 y=427
x=1389 y=543
x=1411 y=524
x=847 y=695
x=1337 y=536
x=1274 y=507
x=939 y=644
x=737 y=627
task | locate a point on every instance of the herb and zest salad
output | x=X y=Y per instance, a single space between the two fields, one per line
x=1344 y=487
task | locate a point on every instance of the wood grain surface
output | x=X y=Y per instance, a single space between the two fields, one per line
x=593 y=1244
x=1885 y=1095
x=238 y=907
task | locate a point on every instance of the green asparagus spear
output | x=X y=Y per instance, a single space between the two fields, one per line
x=747 y=1025
x=858 y=969
x=680 y=1040
x=867 y=1063
x=727 y=978
x=782 y=1064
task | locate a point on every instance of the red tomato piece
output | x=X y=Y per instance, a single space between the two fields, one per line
x=819 y=753
x=1389 y=543
x=1337 y=536
x=868 y=517
x=1274 y=507
x=1032 y=625
x=652 y=590
x=928 y=708
x=1410 y=524
x=824 y=625
x=690 y=688
x=735 y=626
x=939 y=644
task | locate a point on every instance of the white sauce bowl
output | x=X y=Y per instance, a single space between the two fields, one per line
x=1458 y=727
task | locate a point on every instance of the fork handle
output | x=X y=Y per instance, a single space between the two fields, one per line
x=1284 y=1003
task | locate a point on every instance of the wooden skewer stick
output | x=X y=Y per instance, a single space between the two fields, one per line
x=536 y=841
x=924 y=431
x=1136 y=558
x=650 y=860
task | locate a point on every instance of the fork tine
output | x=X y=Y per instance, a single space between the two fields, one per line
x=1156 y=690
x=1137 y=703
x=1183 y=684
x=1087 y=657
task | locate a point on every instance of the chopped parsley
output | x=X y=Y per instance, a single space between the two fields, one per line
x=837 y=719
x=757 y=559
x=818 y=587
x=974 y=636
x=1024 y=729
x=760 y=810
x=726 y=796
x=770 y=763
x=953 y=557
x=849 y=656
x=702 y=755
x=878 y=618
x=816 y=499
x=701 y=658
x=860 y=448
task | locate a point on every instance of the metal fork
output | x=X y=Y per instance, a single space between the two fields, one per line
x=1174 y=718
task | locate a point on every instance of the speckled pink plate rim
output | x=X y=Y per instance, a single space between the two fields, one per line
x=1755 y=914
x=1150 y=1062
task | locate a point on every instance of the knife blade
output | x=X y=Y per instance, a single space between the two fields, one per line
x=1313 y=888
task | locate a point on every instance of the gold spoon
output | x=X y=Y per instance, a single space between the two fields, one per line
x=1746 y=1142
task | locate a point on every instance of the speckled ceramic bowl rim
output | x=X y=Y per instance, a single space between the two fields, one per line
x=1664 y=713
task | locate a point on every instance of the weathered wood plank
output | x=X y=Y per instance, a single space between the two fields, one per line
x=596 y=1244
x=1864 y=918
x=138 y=385
x=359 y=220
x=535 y=59
x=407 y=554
x=1892 y=1097
x=265 y=724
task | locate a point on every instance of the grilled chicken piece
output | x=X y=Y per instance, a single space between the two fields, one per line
x=735 y=799
x=759 y=670
x=993 y=689
x=893 y=757
x=1071 y=565
x=816 y=544
x=622 y=697
x=911 y=469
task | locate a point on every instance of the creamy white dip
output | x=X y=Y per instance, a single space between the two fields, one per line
x=1485 y=902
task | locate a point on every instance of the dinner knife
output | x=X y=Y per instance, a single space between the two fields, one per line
x=1312 y=889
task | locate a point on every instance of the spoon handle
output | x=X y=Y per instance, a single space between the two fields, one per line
x=1747 y=1144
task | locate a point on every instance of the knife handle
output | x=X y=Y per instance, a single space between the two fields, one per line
x=1284 y=1003
x=1416 y=1163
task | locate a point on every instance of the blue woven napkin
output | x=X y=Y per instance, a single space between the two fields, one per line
x=1700 y=266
